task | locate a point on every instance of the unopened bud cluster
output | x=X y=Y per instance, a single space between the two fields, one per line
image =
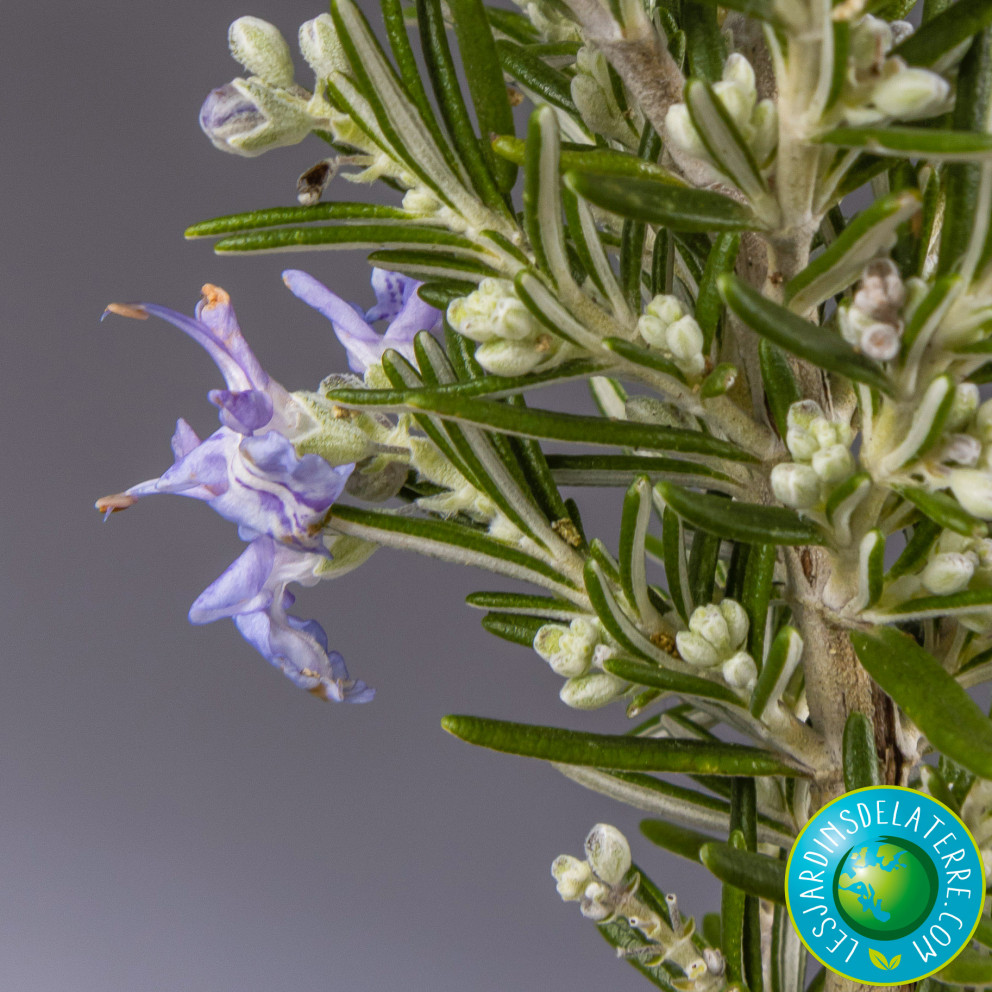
x=576 y=652
x=716 y=637
x=667 y=328
x=512 y=341
x=266 y=110
x=604 y=890
x=872 y=321
x=821 y=452
x=756 y=120
x=880 y=87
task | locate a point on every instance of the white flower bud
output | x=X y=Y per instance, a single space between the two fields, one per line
x=737 y=102
x=337 y=441
x=708 y=622
x=685 y=339
x=973 y=489
x=801 y=443
x=961 y=449
x=911 y=93
x=547 y=643
x=825 y=432
x=852 y=322
x=881 y=342
x=801 y=418
x=881 y=293
x=566 y=649
x=948 y=573
x=833 y=464
x=514 y=320
x=737 y=621
x=983 y=418
x=802 y=414
x=591 y=691
x=740 y=671
x=764 y=123
x=262 y=50
x=666 y=308
x=870 y=40
x=682 y=132
x=964 y=407
x=509 y=357
x=608 y=853
x=423 y=202
x=653 y=330
x=715 y=962
x=321 y=48
x=901 y=30
x=247 y=117
x=796 y=485
x=596 y=902
x=696 y=650
x=738 y=70
x=571 y=875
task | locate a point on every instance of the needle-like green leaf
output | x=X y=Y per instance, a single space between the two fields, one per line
x=860 y=759
x=736 y=521
x=754 y=873
x=617 y=751
x=825 y=348
x=930 y=697
x=690 y=210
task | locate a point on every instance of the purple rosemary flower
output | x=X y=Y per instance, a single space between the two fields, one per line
x=250 y=473
x=397 y=303
x=252 y=591
x=248 y=470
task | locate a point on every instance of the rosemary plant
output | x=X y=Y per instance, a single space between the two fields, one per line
x=799 y=598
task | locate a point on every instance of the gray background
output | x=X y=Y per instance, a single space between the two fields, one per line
x=175 y=815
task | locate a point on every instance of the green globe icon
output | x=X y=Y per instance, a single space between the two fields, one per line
x=885 y=887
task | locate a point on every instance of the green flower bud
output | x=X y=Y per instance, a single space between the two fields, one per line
x=262 y=50
x=608 y=853
x=347 y=553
